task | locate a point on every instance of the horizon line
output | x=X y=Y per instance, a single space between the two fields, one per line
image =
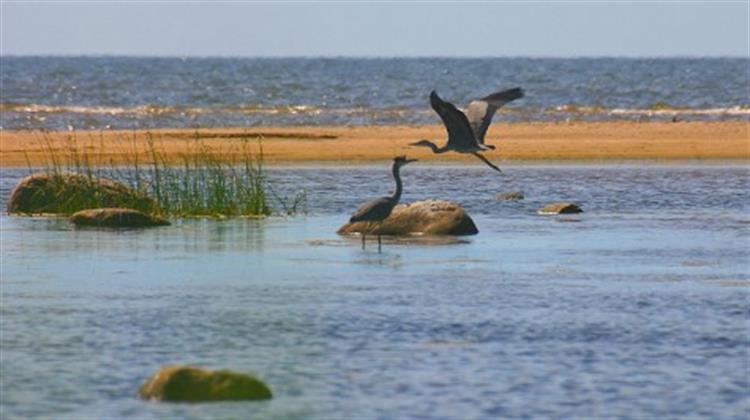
x=367 y=56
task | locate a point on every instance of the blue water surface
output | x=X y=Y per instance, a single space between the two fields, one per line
x=139 y=92
x=636 y=308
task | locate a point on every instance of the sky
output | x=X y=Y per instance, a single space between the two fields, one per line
x=383 y=29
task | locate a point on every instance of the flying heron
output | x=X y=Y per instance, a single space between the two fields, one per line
x=466 y=130
x=377 y=210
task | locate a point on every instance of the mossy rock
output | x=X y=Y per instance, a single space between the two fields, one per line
x=561 y=208
x=511 y=196
x=192 y=384
x=429 y=217
x=67 y=193
x=116 y=218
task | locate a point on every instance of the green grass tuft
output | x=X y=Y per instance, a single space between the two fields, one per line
x=202 y=183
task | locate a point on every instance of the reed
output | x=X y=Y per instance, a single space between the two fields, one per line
x=201 y=182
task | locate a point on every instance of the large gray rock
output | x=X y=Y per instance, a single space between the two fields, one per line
x=115 y=217
x=560 y=208
x=189 y=383
x=67 y=193
x=430 y=217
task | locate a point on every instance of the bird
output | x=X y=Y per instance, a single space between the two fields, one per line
x=377 y=210
x=466 y=130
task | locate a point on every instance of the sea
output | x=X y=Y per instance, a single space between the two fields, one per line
x=639 y=307
x=85 y=93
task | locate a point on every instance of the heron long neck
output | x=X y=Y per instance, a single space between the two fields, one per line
x=397 y=177
x=434 y=147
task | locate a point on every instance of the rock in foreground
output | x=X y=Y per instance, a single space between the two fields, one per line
x=560 y=208
x=66 y=193
x=430 y=217
x=189 y=383
x=114 y=217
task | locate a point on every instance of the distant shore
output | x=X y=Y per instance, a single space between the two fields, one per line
x=543 y=141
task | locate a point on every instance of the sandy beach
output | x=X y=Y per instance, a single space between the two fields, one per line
x=597 y=141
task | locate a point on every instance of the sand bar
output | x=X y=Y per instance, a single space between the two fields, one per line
x=591 y=141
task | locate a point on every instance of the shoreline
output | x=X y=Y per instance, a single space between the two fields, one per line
x=614 y=142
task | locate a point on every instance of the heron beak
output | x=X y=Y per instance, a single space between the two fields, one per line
x=411 y=160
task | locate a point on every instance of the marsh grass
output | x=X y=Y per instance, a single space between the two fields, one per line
x=204 y=181
x=204 y=184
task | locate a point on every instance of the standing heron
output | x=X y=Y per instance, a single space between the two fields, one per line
x=466 y=130
x=377 y=210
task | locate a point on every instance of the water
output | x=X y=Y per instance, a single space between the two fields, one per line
x=637 y=308
x=125 y=93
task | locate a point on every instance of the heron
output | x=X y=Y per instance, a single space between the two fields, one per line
x=377 y=210
x=466 y=130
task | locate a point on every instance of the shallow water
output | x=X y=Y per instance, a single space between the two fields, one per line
x=638 y=307
x=140 y=92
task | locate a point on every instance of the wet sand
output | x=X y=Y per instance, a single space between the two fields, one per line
x=578 y=141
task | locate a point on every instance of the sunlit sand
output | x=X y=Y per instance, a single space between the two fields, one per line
x=597 y=141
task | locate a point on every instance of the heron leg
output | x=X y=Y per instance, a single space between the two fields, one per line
x=484 y=159
x=380 y=228
x=364 y=234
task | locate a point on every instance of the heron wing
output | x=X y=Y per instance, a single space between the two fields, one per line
x=480 y=111
x=460 y=134
x=373 y=210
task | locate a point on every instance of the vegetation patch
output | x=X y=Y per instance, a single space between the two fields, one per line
x=202 y=182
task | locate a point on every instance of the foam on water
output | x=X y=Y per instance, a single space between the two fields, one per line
x=314 y=110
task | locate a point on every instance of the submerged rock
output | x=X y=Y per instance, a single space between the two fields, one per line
x=431 y=217
x=511 y=195
x=116 y=217
x=66 y=193
x=189 y=383
x=560 y=208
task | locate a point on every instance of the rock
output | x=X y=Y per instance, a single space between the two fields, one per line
x=189 y=383
x=432 y=217
x=560 y=208
x=115 y=217
x=511 y=195
x=66 y=193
